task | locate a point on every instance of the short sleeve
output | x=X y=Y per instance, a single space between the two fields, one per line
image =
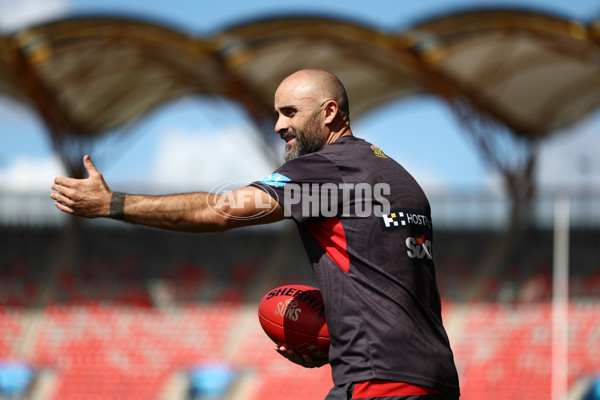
x=308 y=187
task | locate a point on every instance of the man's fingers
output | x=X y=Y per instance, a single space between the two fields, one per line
x=284 y=351
x=301 y=359
x=59 y=187
x=66 y=193
x=59 y=197
x=64 y=181
x=63 y=207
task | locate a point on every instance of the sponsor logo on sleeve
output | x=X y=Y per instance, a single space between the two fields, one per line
x=276 y=180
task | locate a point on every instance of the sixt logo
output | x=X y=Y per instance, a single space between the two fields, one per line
x=404 y=218
x=419 y=247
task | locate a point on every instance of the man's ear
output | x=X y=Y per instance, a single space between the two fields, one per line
x=331 y=111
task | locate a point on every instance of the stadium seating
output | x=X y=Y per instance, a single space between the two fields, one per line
x=118 y=352
x=12 y=327
x=117 y=324
x=507 y=349
x=108 y=352
x=275 y=377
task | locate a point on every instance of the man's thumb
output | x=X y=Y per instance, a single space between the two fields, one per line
x=89 y=165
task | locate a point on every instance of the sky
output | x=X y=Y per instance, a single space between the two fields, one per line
x=196 y=143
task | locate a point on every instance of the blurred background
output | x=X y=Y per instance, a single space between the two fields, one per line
x=493 y=106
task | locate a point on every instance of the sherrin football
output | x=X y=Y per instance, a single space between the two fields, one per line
x=294 y=316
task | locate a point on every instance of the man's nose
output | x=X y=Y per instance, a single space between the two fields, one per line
x=281 y=125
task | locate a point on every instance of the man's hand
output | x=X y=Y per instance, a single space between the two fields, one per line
x=304 y=360
x=88 y=198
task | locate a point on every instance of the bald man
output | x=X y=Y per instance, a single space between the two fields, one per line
x=365 y=224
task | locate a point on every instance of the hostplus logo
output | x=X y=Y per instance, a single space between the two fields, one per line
x=405 y=218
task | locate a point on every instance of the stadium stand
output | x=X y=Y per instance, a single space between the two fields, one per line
x=131 y=309
x=506 y=349
x=12 y=323
x=104 y=352
x=275 y=377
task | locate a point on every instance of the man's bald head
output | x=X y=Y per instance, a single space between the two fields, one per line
x=320 y=85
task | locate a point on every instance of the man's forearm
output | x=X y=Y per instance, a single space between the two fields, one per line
x=188 y=212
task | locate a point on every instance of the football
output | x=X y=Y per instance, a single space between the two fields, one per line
x=294 y=316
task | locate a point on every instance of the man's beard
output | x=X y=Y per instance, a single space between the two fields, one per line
x=308 y=141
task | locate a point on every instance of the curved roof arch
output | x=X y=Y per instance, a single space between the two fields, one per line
x=532 y=72
x=96 y=74
x=537 y=73
x=374 y=66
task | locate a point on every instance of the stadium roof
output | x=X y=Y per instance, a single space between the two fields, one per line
x=532 y=72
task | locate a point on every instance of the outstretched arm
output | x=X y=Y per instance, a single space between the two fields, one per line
x=190 y=212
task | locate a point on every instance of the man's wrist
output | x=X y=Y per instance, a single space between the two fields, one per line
x=117 y=206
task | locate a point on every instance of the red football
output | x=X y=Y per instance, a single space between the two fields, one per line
x=294 y=316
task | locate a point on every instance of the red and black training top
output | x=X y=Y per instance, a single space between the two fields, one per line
x=366 y=226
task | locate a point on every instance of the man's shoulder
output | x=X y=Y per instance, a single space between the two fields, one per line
x=350 y=140
x=353 y=149
x=314 y=167
x=344 y=147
